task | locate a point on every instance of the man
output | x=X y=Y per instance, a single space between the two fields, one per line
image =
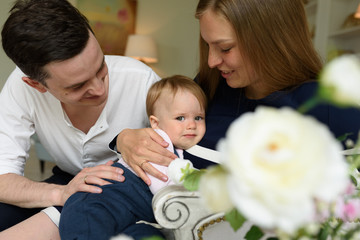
x=75 y=99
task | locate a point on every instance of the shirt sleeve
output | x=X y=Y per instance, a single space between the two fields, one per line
x=16 y=126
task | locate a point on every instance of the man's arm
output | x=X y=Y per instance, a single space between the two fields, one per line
x=20 y=191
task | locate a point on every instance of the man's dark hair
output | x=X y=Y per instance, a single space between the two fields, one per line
x=38 y=32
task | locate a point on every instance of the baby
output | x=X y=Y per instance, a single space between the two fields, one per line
x=176 y=109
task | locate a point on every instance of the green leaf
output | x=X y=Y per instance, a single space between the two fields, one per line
x=337 y=228
x=153 y=238
x=235 y=219
x=351 y=233
x=356 y=162
x=353 y=180
x=324 y=232
x=186 y=171
x=254 y=233
x=191 y=181
x=343 y=137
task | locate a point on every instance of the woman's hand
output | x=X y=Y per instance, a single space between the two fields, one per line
x=85 y=180
x=140 y=146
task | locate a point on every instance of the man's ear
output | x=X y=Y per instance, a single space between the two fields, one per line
x=34 y=84
x=154 y=122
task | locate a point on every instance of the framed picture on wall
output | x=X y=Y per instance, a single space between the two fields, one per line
x=111 y=20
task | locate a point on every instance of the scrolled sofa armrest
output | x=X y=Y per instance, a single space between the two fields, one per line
x=183 y=213
x=175 y=207
x=180 y=210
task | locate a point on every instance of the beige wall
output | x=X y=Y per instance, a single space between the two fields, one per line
x=176 y=32
x=6 y=65
x=171 y=23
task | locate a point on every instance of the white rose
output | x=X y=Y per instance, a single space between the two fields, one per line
x=279 y=161
x=176 y=169
x=213 y=191
x=121 y=237
x=340 y=80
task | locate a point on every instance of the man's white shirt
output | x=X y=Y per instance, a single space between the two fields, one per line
x=24 y=110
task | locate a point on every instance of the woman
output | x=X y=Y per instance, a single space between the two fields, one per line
x=252 y=52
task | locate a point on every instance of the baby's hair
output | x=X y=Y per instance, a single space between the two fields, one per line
x=173 y=84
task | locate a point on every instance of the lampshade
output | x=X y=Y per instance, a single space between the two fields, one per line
x=141 y=47
x=357 y=13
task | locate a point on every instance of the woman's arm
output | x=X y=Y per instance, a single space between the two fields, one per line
x=139 y=146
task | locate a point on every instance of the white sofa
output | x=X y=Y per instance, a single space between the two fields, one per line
x=182 y=216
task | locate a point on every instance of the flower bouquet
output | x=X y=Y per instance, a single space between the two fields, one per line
x=285 y=172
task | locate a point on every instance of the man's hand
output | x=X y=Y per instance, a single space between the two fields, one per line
x=85 y=180
x=140 y=146
x=23 y=192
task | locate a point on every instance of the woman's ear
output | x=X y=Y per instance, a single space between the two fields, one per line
x=34 y=84
x=154 y=122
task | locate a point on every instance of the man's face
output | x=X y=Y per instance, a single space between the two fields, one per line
x=82 y=80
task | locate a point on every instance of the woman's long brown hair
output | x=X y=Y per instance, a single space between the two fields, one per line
x=273 y=36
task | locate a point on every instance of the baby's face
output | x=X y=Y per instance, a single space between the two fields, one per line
x=181 y=117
